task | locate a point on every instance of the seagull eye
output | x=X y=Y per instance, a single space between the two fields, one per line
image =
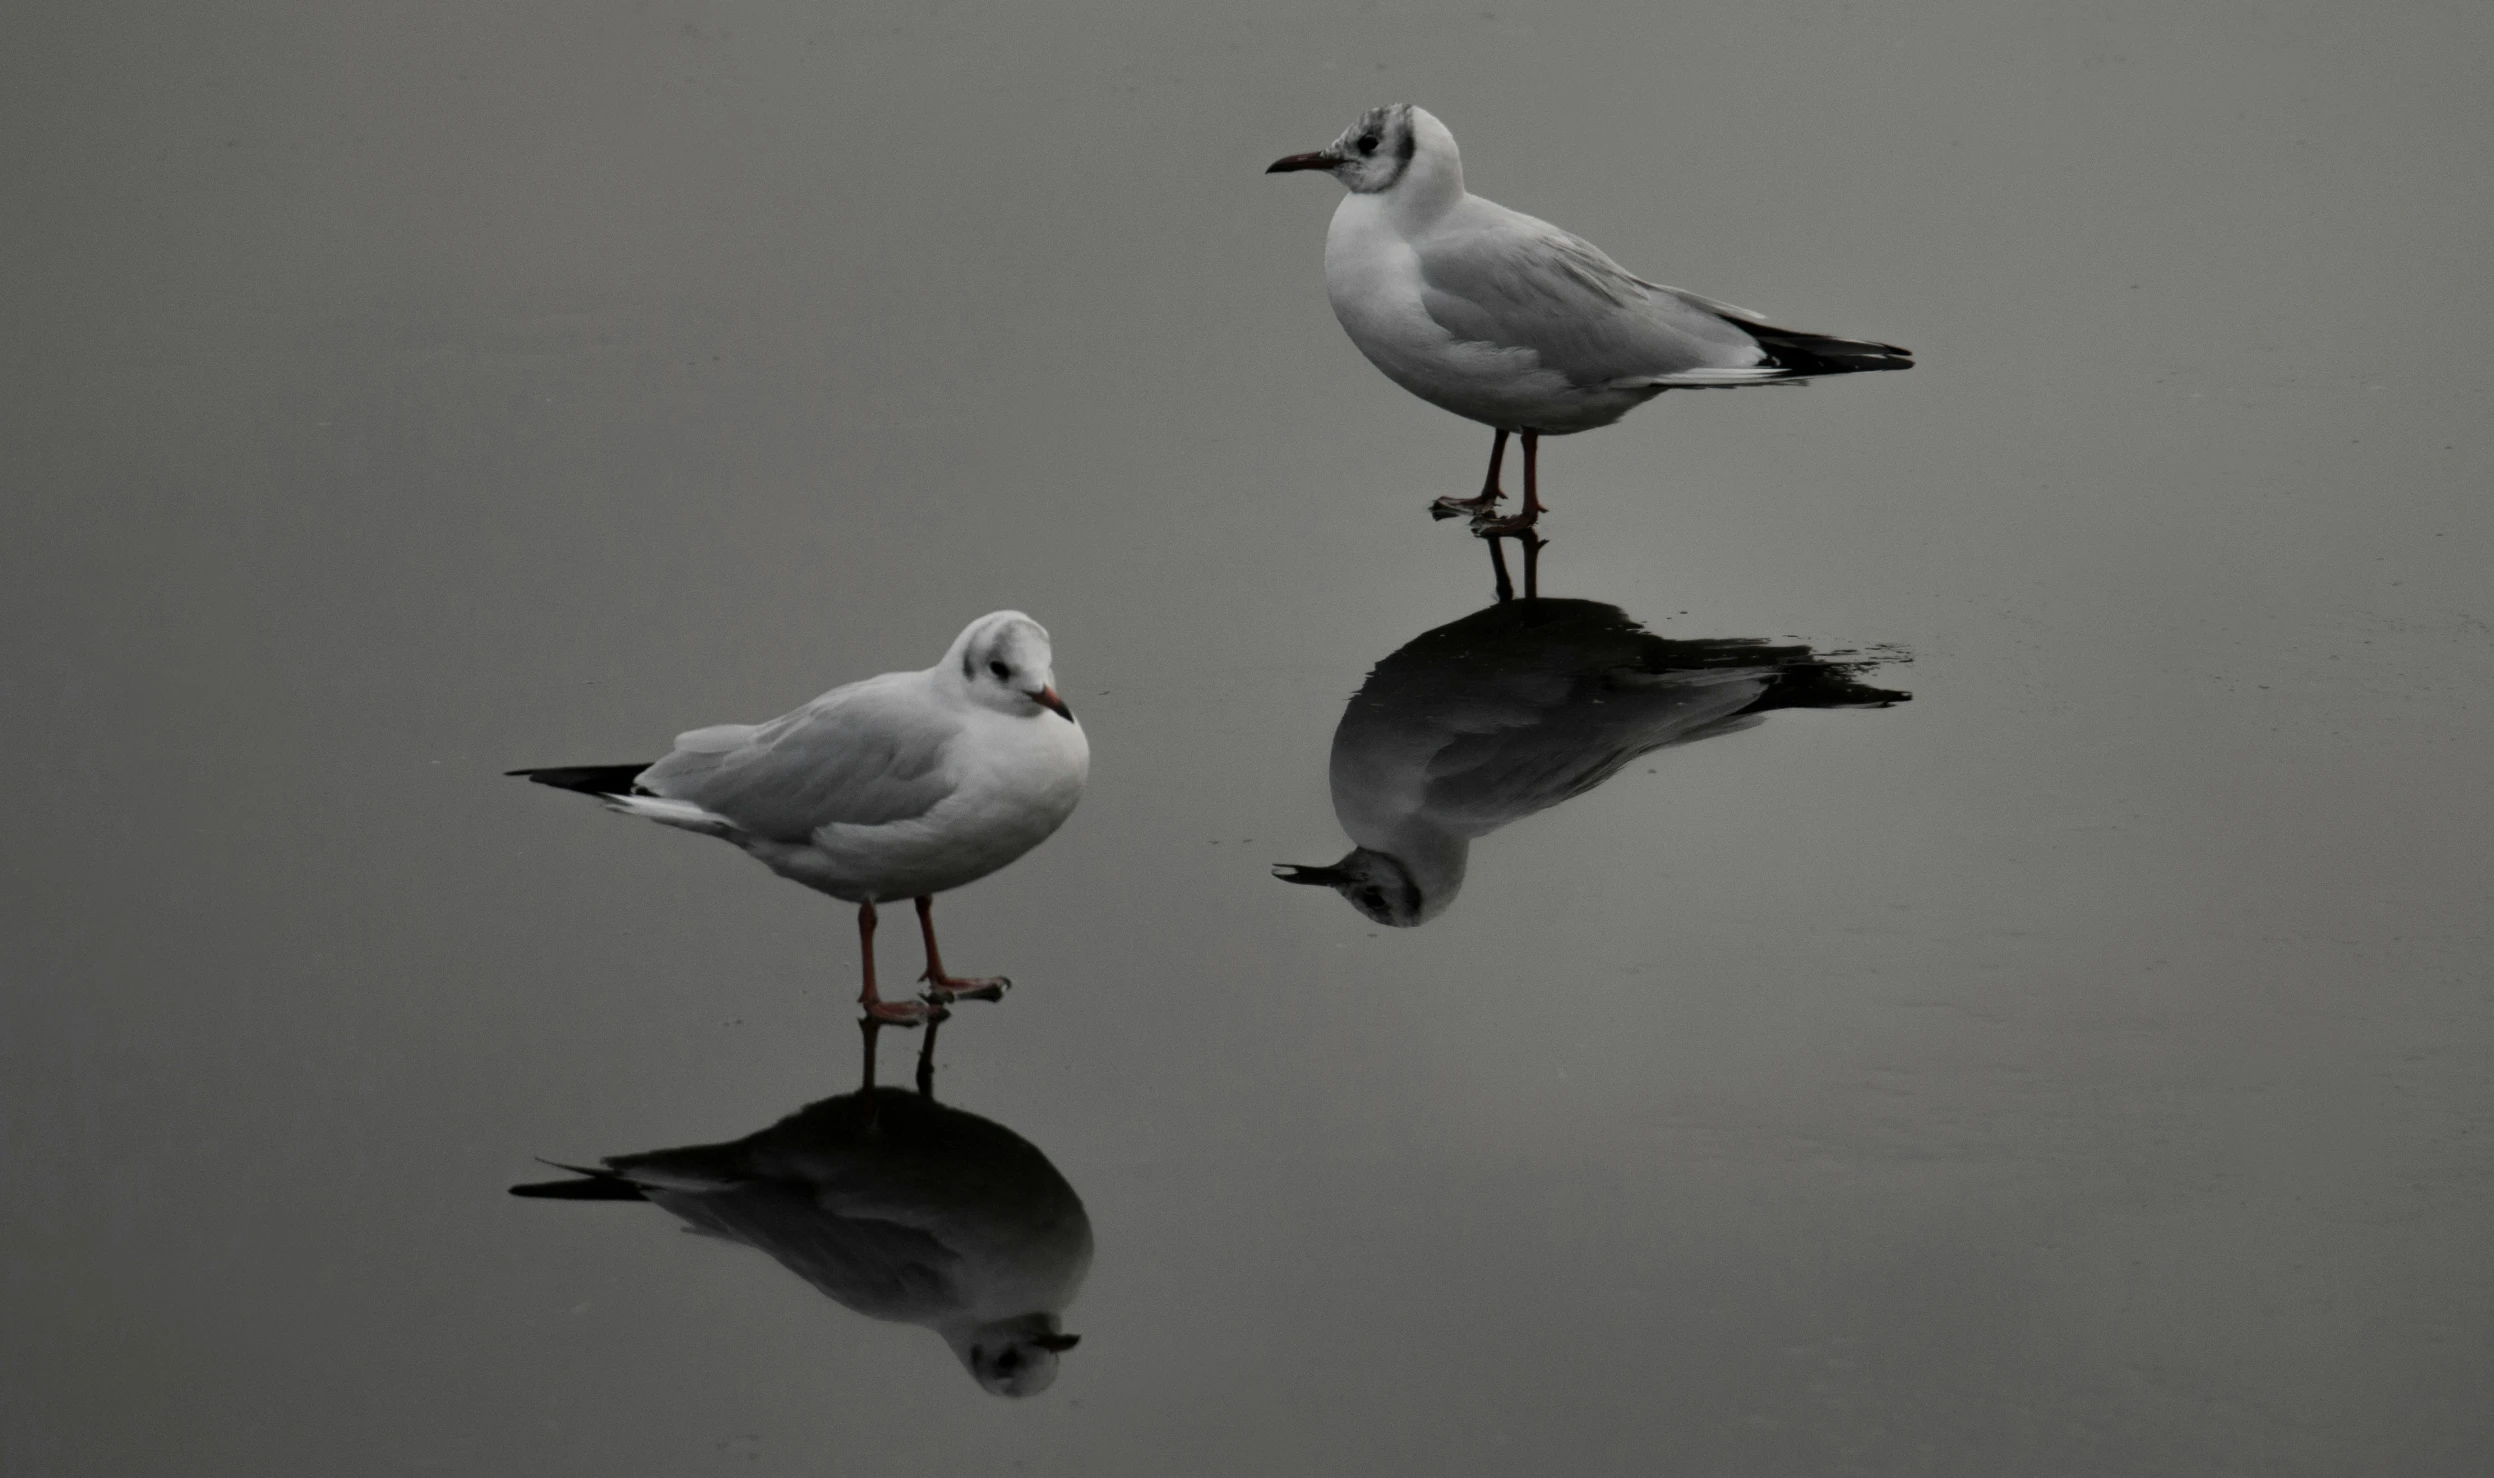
x=1000 y=669
x=1368 y=143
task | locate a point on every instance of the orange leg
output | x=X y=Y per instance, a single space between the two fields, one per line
x=943 y=987
x=898 y=1013
x=1480 y=507
x=1525 y=517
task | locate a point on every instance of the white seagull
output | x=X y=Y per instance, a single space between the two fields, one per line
x=901 y=786
x=1514 y=323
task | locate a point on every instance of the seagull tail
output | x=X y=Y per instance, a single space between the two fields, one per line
x=618 y=787
x=586 y=1185
x=680 y=814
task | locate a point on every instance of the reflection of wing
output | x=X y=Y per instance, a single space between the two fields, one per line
x=882 y=1269
x=1521 y=706
x=1519 y=283
x=865 y=755
x=1480 y=781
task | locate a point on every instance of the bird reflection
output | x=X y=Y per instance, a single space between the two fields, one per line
x=897 y=1207
x=1520 y=706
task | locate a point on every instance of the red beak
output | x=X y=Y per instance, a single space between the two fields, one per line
x=1047 y=698
x=1318 y=160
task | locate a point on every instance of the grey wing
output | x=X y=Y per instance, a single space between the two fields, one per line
x=868 y=754
x=1519 y=283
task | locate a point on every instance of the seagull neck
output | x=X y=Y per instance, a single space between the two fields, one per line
x=1431 y=183
x=1428 y=188
x=1434 y=855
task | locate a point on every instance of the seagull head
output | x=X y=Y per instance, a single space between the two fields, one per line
x=1004 y=659
x=1014 y=1357
x=1377 y=151
x=1376 y=883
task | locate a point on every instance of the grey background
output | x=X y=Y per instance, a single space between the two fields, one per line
x=2079 y=1070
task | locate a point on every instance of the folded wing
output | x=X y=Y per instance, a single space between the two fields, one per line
x=1514 y=282
x=862 y=755
x=1518 y=283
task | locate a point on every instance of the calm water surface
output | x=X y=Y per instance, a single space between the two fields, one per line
x=2077 y=1069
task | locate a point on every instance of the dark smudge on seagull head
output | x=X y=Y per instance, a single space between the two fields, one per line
x=1375 y=150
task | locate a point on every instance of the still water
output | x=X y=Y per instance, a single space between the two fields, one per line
x=1688 y=1056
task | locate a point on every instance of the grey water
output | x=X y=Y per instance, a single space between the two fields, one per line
x=2075 y=1069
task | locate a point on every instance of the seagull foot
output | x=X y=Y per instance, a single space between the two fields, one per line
x=1518 y=526
x=1529 y=535
x=967 y=988
x=1475 y=509
x=905 y=1013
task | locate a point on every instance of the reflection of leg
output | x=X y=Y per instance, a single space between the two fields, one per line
x=926 y=1061
x=1532 y=563
x=1504 y=587
x=943 y=987
x=1531 y=511
x=899 y=1013
x=868 y=1029
x=1490 y=494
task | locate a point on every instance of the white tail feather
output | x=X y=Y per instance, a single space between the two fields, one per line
x=1709 y=378
x=665 y=812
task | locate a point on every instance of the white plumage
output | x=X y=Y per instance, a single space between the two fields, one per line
x=1512 y=322
x=900 y=786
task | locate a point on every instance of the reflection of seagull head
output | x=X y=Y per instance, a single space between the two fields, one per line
x=1013 y=1357
x=1512 y=710
x=1382 y=885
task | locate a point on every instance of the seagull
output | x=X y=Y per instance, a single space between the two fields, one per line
x=895 y=1206
x=1518 y=707
x=900 y=786
x=1512 y=322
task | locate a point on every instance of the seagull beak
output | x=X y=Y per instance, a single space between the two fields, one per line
x=1047 y=698
x=1059 y=1343
x=1318 y=160
x=1321 y=877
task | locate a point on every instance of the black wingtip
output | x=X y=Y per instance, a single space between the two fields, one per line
x=1827 y=685
x=586 y=779
x=592 y=1185
x=1807 y=355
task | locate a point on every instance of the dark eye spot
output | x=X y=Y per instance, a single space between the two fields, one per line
x=1000 y=669
x=1368 y=143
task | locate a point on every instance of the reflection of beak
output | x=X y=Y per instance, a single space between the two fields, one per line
x=1322 y=877
x=1047 y=698
x=1318 y=160
x=1058 y=1343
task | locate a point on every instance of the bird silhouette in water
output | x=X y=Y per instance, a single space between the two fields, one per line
x=895 y=1206
x=1520 y=706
